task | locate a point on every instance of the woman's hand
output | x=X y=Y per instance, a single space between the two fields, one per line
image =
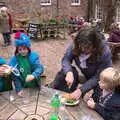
x=91 y=103
x=69 y=79
x=29 y=78
x=76 y=94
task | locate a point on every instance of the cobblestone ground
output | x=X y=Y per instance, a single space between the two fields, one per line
x=50 y=51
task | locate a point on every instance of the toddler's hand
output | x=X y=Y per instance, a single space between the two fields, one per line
x=87 y=96
x=29 y=78
x=91 y=103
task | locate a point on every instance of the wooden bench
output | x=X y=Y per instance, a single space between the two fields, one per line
x=113 y=46
x=18 y=29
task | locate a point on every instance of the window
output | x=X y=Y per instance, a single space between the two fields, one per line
x=118 y=14
x=75 y=2
x=99 y=11
x=2 y=4
x=118 y=11
x=45 y=2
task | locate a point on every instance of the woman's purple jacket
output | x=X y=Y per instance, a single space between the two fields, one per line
x=93 y=69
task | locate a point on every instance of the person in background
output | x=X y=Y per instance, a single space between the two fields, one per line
x=115 y=38
x=80 y=21
x=90 y=54
x=10 y=20
x=5 y=84
x=99 y=25
x=28 y=64
x=108 y=100
x=4 y=26
x=93 y=22
x=72 y=23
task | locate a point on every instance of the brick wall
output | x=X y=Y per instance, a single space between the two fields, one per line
x=32 y=7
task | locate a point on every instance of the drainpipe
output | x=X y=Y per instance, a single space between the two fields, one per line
x=57 y=7
x=88 y=10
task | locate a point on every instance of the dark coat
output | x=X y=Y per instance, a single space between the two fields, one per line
x=109 y=110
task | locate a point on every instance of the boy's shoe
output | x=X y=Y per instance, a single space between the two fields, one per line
x=50 y=85
x=5 y=44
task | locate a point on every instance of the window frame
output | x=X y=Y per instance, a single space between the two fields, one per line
x=45 y=4
x=74 y=4
x=98 y=12
x=117 y=14
x=3 y=4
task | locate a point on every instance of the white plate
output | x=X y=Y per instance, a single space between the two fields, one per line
x=72 y=104
x=63 y=100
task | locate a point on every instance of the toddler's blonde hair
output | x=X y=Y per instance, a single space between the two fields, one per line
x=111 y=77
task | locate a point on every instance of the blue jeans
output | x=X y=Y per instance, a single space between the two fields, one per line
x=6 y=37
x=1 y=84
x=5 y=83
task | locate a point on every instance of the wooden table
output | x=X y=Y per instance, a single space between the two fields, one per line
x=37 y=107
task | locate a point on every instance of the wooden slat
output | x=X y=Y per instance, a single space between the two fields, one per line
x=113 y=45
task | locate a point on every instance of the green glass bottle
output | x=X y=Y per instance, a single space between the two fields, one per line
x=55 y=103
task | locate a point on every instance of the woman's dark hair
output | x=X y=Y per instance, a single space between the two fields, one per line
x=16 y=51
x=89 y=36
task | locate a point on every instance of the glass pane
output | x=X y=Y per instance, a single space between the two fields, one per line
x=75 y=1
x=44 y=1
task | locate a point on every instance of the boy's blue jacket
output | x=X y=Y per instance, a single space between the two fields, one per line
x=2 y=61
x=36 y=67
